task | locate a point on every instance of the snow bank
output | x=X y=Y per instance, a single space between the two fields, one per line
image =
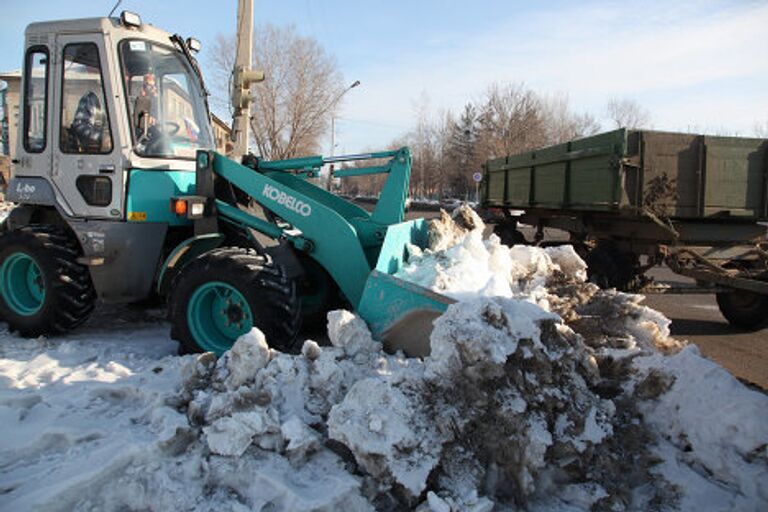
x=712 y=432
x=541 y=392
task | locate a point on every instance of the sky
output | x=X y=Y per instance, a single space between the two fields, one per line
x=698 y=66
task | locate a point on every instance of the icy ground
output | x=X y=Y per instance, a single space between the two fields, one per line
x=541 y=393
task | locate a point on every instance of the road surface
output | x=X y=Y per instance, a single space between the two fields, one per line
x=696 y=318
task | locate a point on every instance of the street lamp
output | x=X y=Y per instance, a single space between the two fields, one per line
x=333 y=127
x=333 y=116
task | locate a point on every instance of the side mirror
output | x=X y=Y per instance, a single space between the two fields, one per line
x=193 y=44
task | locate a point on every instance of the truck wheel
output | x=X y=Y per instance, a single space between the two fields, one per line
x=43 y=290
x=510 y=235
x=609 y=267
x=743 y=309
x=222 y=294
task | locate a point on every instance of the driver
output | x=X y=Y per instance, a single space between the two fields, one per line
x=146 y=105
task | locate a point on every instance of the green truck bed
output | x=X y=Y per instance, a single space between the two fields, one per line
x=675 y=175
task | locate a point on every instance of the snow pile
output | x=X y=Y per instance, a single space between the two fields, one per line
x=5 y=209
x=460 y=264
x=83 y=410
x=541 y=392
x=712 y=433
x=476 y=417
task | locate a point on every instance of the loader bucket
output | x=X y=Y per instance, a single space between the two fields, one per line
x=400 y=313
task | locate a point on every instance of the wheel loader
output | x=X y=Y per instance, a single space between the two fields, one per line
x=121 y=197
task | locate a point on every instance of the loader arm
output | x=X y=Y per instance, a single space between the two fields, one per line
x=343 y=238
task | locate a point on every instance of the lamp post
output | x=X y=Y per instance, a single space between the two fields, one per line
x=333 y=127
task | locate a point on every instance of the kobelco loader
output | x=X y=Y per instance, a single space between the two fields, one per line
x=121 y=196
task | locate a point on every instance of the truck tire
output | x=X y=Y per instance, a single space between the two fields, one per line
x=743 y=309
x=225 y=292
x=510 y=235
x=609 y=267
x=43 y=289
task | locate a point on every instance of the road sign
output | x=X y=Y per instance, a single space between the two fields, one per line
x=478 y=177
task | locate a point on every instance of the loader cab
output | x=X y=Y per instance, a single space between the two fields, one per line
x=102 y=99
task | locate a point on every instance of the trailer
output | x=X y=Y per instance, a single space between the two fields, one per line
x=633 y=199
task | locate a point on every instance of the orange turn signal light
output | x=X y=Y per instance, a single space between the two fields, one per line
x=180 y=207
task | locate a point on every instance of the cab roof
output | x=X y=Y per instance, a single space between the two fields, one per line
x=43 y=32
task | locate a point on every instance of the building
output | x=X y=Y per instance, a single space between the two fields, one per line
x=9 y=110
x=222 y=133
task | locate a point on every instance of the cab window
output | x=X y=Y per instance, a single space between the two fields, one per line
x=166 y=101
x=84 y=118
x=35 y=99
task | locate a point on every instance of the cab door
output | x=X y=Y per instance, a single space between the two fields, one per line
x=87 y=167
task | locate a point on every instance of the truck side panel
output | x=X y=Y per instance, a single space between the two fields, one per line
x=735 y=181
x=683 y=176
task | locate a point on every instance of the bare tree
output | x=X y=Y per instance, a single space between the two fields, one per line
x=511 y=120
x=420 y=146
x=626 y=113
x=761 y=129
x=563 y=125
x=292 y=108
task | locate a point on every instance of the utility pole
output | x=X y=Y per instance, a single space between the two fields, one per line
x=244 y=76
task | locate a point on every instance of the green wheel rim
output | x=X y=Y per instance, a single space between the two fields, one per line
x=217 y=315
x=22 y=284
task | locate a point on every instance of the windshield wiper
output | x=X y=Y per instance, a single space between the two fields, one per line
x=179 y=41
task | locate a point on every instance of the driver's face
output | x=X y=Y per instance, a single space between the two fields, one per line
x=149 y=88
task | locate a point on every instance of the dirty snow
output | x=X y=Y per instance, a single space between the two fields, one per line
x=542 y=392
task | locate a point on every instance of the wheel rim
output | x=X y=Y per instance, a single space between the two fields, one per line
x=22 y=284
x=217 y=315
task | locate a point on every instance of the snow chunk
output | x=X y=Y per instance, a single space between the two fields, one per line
x=248 y=355
x=232 y=435
x=301 y=439
x=349 y=332
x=570 y=263
x=482 y=330
x=381 y=424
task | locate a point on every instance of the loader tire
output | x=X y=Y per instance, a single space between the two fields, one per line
x=319 y=295
x=225 y=292
x=43 y=289
x=743 y=309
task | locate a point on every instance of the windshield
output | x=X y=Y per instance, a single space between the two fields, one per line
x=168 y=114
